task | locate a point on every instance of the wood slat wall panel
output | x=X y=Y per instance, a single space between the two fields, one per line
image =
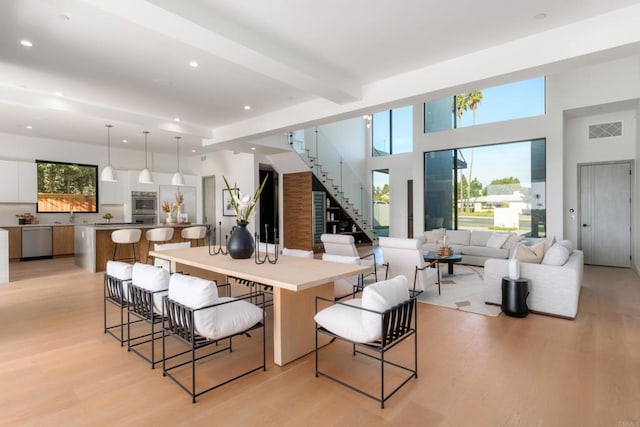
x=298 y=210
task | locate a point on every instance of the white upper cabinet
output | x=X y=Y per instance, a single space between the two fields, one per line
x=10 y=191
x=21 y=182
x=28 y=183
x=116 y=193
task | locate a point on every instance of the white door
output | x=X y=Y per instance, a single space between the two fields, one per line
x=605 y=212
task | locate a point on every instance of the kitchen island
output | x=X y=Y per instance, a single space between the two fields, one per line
x=93 y=245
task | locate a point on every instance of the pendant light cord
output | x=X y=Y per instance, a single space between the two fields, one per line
x=146 y=132
x=108 y=144
x=178 y=151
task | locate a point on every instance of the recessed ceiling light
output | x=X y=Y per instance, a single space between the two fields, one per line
x=59 y=94
x=176 y=119
x=29 y=127
x=193 y=64
x=26 y=43
x=247 y=107
x=193 y=151
x=253 y=148
x=125 y=141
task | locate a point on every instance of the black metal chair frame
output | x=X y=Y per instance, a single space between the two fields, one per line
x=141 y=307
x=114 y=294
x=255 y=288
x=398 y=324
x=180 y=324
x=375 y=266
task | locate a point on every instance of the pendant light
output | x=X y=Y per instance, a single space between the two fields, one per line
x=108 y=173
x=145 y=176
x=177 y=178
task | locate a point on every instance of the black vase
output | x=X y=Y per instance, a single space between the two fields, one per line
x=241 y=244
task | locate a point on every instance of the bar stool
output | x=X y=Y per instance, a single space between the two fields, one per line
x=194 y=234
x=127 y=236
x=158 y=235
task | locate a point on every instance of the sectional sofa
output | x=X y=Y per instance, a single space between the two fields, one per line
x=554 y=283
x=475 y=246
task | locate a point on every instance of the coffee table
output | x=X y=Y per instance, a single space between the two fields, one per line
x=449 y=260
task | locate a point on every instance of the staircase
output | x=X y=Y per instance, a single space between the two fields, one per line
x=334 y=185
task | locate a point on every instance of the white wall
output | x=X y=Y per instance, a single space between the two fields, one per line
x=579 y=149
x=582 y=87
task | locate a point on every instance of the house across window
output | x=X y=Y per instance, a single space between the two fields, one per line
x=494 y=187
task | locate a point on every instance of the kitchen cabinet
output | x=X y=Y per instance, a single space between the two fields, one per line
x=25 y=190
x=15 y=242
x=28 y=182
x=116 y=193
x=63 y=236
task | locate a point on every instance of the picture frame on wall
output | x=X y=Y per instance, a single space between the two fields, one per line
x=227 y=209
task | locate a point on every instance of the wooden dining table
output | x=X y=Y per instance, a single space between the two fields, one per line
x=295 y=281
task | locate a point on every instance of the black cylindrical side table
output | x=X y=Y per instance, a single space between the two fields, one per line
x=514 y=297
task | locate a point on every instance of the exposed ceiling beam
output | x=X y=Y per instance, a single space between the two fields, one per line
x=194 y=25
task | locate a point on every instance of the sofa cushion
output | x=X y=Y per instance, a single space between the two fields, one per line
x=458 y=237
x=556 y=255
x=497 y=240
x=567 y=244
x=485 y=251
x=435 y=235
x=532 y=254
x=479 y=238
x=512 y=240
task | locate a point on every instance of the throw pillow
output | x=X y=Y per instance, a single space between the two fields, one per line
x=567 y=244
x=549 y=241
x=556 y=255
x=530 y=254
x=497 y=240
x=513 y=240
x=434 y=235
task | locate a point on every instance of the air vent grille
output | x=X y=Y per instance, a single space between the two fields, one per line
x=605 y=130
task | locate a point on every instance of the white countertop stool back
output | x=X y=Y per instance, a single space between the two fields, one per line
x=125 y=236
x=158 y=235
x=194 y=234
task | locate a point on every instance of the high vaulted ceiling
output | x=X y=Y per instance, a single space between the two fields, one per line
x=126 y=62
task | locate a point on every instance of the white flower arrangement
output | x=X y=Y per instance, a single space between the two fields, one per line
x=243 y=204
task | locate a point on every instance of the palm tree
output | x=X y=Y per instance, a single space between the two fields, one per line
x=468 y=101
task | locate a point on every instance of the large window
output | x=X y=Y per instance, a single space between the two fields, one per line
x=494 y=187
x=506 y=102
x=67 y=187
x=392 y=131
x=381 y=202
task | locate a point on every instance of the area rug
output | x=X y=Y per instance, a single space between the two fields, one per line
x=464 y=291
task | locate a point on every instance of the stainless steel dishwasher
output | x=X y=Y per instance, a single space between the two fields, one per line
x=37 y=242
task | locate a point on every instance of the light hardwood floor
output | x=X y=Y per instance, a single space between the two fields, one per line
x=57 y=367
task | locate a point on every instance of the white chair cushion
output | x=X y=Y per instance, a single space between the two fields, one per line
x=227 y=319
x=196 y=232
x=345 y=321
x=215 y=322
x=556 y=255
x=480 y=237
x=497 y=240
x=380 y=297
x=343 y=287
x=119 y=270
x=161 y=234
x=127 y=235
x=339 y=244
x=399 y=243
x=299 y=253
x=152 y=279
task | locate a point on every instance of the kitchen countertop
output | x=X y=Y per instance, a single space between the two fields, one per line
x=115 y=226
x=38 y=225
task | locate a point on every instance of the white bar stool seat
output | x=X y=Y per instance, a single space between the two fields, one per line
x=194 y=234
x=158 y=235
x=126 y=236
